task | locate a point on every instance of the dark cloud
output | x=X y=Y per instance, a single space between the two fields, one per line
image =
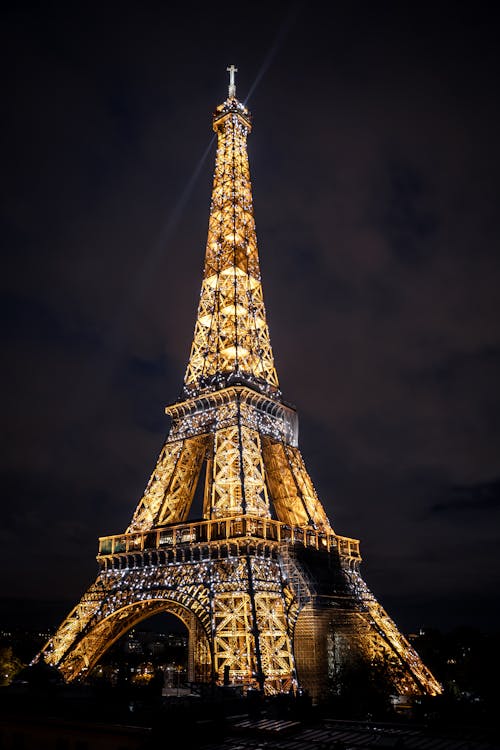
x=374 y=159
x=26 y=318
x=483 y=497
x=406 y=222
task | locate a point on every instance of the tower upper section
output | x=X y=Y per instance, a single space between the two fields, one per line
x=231 y=342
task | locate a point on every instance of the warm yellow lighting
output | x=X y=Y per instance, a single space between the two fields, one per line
x=231 y=352
x=233 y=310
x=234 y=577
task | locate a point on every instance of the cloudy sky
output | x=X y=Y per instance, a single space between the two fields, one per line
x=375 y=170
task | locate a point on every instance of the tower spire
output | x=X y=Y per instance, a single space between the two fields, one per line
x=231 y=339
x=232 y=86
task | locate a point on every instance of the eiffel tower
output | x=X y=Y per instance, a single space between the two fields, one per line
x=272 y=598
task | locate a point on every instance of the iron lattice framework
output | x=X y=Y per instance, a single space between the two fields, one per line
x=269 y=593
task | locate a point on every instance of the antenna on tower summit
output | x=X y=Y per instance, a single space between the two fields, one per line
x=232 y=86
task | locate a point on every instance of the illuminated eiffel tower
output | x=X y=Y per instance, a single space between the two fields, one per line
x=270 y=595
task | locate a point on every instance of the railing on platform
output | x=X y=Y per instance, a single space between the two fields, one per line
x=227 y=529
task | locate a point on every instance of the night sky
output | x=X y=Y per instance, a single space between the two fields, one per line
x=375 y=170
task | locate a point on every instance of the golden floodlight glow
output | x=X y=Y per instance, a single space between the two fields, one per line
x=269 y=593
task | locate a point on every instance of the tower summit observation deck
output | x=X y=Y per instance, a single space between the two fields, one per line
x=271 y=596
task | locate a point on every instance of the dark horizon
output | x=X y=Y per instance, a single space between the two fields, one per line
x=374 y=161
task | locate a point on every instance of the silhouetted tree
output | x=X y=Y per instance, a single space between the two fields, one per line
x=362 y=689
x=10 y=665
